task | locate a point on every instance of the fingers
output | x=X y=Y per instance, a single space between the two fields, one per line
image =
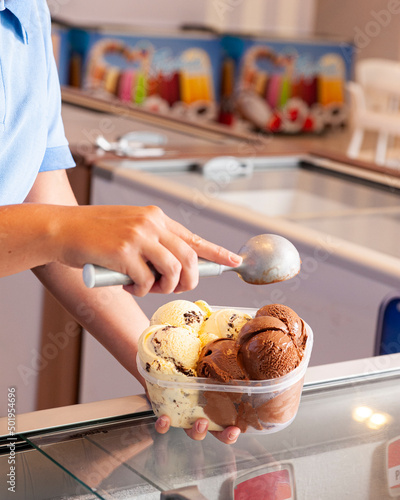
x=165 y=264
x=142 y=277
x=177 y=262
x=215 y=253
x=228 y=435
x=153 y=242
x=204 y=248
x=163 y=424
x=126 y=239
x=199 y=430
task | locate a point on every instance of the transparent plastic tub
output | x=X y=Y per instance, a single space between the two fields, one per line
x=255 y=406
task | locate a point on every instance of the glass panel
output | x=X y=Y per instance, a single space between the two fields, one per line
x=105 y=472
x=37 y=478
x=335 y=448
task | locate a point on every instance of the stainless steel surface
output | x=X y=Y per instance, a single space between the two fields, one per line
x=267 y=258
x=304 y=200
x=76 y=414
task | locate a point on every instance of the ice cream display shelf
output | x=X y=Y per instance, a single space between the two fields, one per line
x=342 y=444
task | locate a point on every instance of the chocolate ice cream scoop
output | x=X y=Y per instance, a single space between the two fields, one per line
x=258 y=325
x=219 y=360
x=269 y=354
x=266 y=348
x=295 y=325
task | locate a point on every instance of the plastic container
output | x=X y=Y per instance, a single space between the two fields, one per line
x=255 y=406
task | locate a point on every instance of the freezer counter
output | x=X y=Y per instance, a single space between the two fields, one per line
x=344 y=220
x=344 y=443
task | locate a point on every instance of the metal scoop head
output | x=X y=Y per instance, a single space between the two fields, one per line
x=268 y=258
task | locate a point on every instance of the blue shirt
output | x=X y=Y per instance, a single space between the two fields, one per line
x=32 y=135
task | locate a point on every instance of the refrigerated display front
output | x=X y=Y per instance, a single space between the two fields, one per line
x=344 y=443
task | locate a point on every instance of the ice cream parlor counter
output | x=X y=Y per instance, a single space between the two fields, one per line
x=344 y=443
x=343 y=219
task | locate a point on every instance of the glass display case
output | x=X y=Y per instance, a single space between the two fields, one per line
x=344 y=443
x=345 y=439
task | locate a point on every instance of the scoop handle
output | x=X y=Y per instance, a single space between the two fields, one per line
x=96 y=276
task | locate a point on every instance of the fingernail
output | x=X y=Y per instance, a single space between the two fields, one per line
x=201 y=427
x=162 y=422
x=236 y=259
x=233 y=435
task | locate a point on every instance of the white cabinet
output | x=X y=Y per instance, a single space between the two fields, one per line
x=21 y=297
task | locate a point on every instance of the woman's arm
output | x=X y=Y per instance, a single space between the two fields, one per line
x=96 y=234
x=110 y=314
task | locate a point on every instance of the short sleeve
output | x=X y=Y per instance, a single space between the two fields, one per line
x=57 y=154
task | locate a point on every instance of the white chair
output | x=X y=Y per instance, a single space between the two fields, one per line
x=375 y=97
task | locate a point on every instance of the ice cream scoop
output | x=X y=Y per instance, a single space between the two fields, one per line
x=219 y=360
x=267 y=258
x=181 y=313
x=266 y=350
x=295 y=325
x=169 y=350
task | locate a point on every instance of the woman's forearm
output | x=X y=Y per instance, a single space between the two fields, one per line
x=110 y=314
x=25 y=237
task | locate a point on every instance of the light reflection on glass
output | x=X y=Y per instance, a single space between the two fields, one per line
x=361 y=413
x=373 y=419
x=377 y=420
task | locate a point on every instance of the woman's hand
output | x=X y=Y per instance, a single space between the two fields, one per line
x=126 y=238
x=199 y=430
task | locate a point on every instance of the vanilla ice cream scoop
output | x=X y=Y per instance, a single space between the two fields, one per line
x=179 y=313
x=169 y=350
x=224 y=323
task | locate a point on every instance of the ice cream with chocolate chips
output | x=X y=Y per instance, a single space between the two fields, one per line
x=190 y=342
x=225 y=323
x=165 y=351
x=180 y=313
